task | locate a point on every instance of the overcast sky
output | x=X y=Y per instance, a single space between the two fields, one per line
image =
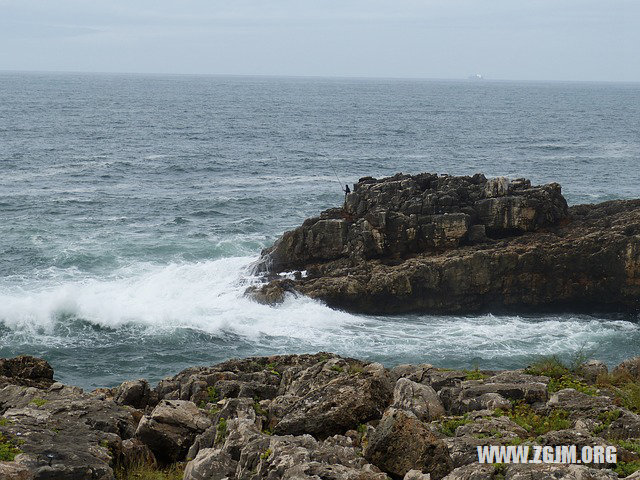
x=501 y=39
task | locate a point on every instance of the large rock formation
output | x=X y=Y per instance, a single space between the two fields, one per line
x=305 y=417
x=448 y=244
x=262 y=418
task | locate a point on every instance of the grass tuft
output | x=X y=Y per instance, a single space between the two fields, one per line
x=8 y=450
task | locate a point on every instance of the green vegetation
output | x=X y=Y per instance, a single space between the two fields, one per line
x=569 y=381
x=212 y=394
x=550 y=367
x=266 y=454
x=607 y=418
x=221 y=430
x=624 y=388
x=355 y=369
x=4 y=422
x=38 y=402
x=449 y=426
x=362 y=429
x=624 y=469
x=8 y=450
x=258 y=409
x=560 y=375
x=630 y=445
x=475 y=374
x=338 y=369
x=534 y=423
x=272 y=368
x=148 y=472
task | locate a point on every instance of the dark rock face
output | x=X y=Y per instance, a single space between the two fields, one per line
x=408 y=214
x=402 y=443
x=25 y=370
x=446 y=244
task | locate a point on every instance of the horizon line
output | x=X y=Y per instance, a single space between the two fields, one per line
x=469 y=78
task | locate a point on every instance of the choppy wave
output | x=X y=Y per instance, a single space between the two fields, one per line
x=171 y=307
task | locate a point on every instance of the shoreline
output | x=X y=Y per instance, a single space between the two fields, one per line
x=296 y=416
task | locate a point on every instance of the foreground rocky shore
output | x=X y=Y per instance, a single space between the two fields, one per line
x=444 y=244
x=316 y=417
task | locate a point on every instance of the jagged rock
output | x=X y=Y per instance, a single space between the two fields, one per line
x=421 y=400
x=492 y=392
x=416 y=475
x=472 y=472
x=26 y=370
x=171 y=428
x=446 y=244
x=210 y=464
x=14 y=471
x=401 y=443
x=335 y=405
x=580 y=403
x=63 y=432
x=592 y=369
x=135 y=453
x=464 y=450
x=630 y=367
x=498 y=426
x=135 y=393
x=557 y=472
x=248 y=454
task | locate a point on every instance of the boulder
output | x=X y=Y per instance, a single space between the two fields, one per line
x=421 y=400
x=629 y=368
x=592 y=369
x=171 y=428
x=62 y=432
x=402 y=443
x=332 y=405
x=135 y=393
x=26 y=370
x=474 y=471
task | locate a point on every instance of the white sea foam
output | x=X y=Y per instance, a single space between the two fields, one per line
x=209 y=297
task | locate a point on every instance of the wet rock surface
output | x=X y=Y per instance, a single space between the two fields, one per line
x=319 y=417
x=444 y=244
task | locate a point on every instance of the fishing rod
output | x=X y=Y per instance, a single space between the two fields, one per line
x=336 y=174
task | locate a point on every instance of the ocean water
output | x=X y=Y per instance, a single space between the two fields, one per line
x=131 y=209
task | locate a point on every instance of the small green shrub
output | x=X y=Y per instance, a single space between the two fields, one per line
x=272 y=368
x=212 y=394
x=259 y=410
x=4 y=422
x=266 y=454
x=624 y=469
x=607 y=418
x=475 y=375
x=338 y=369
x=550 y=367
x=536 y=424
x=38 y=402
x=630 y=445
x=221 y=430
x=449 y=426
x=8 y=450
x=569 y=381
x=148 y=472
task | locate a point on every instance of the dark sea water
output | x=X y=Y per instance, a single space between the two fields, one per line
x=132 y=206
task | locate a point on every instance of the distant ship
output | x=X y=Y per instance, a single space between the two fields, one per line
x=477 y=76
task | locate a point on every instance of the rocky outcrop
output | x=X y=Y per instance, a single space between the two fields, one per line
x=449 y=244
x=296 y=417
